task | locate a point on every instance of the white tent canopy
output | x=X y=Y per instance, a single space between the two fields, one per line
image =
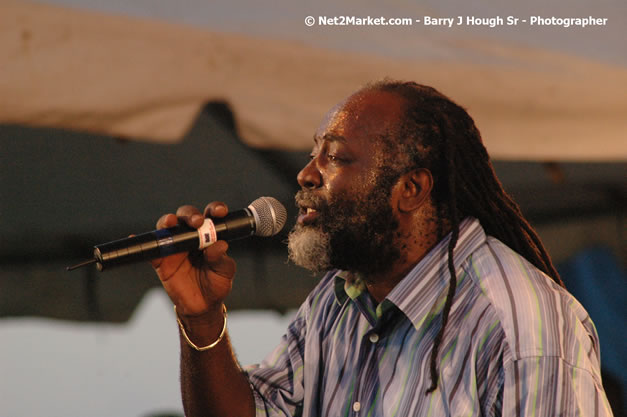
x=147 y=79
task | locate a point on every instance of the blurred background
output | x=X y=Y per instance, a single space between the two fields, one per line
x=113 y=113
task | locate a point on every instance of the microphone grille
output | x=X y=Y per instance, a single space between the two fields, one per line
x=270 y=216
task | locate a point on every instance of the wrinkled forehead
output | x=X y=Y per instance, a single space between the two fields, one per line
x=363 y=115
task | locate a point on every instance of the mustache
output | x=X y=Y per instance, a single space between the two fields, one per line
x=307 y=199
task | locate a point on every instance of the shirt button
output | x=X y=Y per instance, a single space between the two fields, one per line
x=356 y=406
x=374 y=338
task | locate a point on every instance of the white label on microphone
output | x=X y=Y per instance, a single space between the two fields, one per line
x=207 y=234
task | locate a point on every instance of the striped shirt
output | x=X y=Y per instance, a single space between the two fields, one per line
x=516 y=344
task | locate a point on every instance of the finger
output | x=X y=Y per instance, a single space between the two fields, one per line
x=190 y=215
x=167 y=220
x=220 y=262
x=216 y=209
x=225 y=267
x=214 y=252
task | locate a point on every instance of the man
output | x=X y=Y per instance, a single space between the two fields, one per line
x=439 y=297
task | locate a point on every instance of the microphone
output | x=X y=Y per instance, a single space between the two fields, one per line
x=265 y=217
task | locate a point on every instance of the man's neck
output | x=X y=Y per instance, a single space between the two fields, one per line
x=380 y=285
x=417 y=244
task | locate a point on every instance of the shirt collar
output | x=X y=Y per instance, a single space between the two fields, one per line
x=348 y=288
x=421 y=294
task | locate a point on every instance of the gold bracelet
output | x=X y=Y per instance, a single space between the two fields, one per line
x=192 y=344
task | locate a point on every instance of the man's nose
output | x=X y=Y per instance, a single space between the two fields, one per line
x=309 y=177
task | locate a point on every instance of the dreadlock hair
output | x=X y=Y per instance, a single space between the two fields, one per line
x=439 y=135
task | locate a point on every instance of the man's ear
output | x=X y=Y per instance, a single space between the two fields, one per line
x=414 y=189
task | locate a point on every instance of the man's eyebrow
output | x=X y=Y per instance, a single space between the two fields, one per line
x=330 y=137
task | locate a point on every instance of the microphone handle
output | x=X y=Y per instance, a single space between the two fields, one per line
x=176 y=239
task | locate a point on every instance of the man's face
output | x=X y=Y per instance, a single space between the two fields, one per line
x=346 y=219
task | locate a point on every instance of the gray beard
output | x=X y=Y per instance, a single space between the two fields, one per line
x=309 y=247
x=357 y=232
x=360 y=236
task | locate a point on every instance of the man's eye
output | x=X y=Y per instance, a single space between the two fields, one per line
x=337 y=158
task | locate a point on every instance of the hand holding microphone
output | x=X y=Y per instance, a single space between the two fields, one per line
x=196 y=291
x=263 y=217
x=192 y=288
x=200 y=291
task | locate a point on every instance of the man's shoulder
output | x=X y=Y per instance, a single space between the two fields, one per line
x=534 y=311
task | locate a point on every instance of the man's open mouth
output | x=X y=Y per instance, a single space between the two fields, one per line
x=307 y=215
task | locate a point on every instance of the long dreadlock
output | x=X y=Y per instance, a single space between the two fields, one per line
x=439 y=135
